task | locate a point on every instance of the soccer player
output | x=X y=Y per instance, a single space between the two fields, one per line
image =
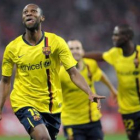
x=125 y=58
x=80 y=117
x=36 y=96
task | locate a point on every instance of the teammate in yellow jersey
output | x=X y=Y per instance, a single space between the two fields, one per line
x=80 y=117
x=125 y=58
x=36 y=96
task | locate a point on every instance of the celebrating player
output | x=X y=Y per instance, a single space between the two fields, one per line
x=125 y=58
x=80 y=117
x=36 y=95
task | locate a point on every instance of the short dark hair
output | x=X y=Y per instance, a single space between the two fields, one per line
x=126 y=30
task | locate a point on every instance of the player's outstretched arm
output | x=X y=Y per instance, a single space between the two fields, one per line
x=5 y=85
x=78 y=80
x=94 y=55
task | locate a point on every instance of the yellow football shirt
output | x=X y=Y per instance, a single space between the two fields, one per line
x=128 y=75
x=37 y=81
x=76 y=108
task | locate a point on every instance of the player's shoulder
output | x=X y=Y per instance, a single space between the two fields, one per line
x=138 y=47
x=14 y=42
x=114 y=51
x=53 y=36
x=49 y=34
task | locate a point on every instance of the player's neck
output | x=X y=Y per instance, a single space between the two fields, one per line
x=128 y=49
x=33 y=37
x=80 y=65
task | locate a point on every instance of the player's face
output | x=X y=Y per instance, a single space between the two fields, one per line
x=119 y=40
x=76 y=49
x=31 y=17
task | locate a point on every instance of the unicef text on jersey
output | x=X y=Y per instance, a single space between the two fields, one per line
x=40 y=65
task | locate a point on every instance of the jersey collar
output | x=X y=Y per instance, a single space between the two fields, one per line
x=29 y=43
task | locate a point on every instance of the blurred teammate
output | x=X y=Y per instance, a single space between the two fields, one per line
x=80 y=117
x=36 y=96
x=125 y=58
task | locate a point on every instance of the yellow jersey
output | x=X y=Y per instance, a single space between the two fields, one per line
x=128 y=75
x=37 y=81
x=77 y=108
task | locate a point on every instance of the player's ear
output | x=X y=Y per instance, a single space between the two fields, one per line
x=42 y=18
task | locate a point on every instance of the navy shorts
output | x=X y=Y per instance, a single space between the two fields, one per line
x=132 y=125
x=89 y=131
x=30 y=117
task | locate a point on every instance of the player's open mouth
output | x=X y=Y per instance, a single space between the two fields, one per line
x=30 y=20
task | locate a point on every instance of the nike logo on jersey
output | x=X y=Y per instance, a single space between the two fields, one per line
x=20 y=56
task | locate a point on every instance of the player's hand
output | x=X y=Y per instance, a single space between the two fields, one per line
x=96 y=98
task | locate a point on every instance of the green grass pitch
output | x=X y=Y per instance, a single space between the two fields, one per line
x=107 y=137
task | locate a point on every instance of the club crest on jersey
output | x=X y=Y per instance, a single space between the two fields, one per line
x=36 y=117
x=46 y=50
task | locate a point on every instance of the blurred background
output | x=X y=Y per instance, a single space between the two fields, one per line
x=90 y=21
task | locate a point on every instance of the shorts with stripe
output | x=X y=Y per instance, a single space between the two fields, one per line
x=89 y=131
x=132 y=125
x=30 y=117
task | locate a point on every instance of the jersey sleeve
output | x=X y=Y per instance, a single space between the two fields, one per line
x=65 y=55
x=7 y=63
x=108 y=56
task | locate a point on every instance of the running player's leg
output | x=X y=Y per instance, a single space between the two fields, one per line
x=51 y=122
x=40 y=132
x=33 y=123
